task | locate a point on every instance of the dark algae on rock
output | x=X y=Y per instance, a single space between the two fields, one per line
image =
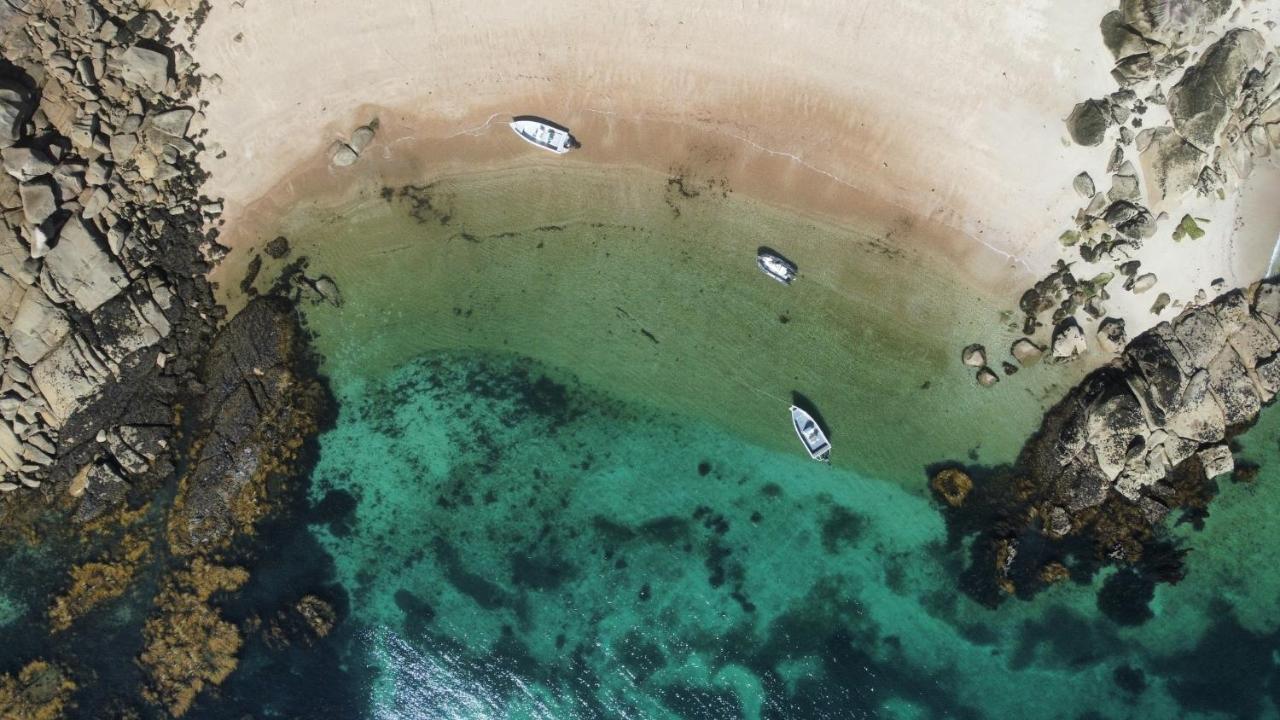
x=1143 y=437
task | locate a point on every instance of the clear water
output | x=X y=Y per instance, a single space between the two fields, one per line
x=562 y=484
x=529 y=549
x=558 y=516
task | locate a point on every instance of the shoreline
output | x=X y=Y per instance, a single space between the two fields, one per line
x=420 y=151
x=859 y=106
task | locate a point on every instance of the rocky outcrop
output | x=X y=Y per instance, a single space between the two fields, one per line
x=94 y=583
x=101 y=256
x=1221 y=87
x=1221 y=109
x=1170 y=23
x=1135 y=440
x=1176 y=389
x=260 y=403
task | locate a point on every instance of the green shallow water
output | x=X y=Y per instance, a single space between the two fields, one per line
x=654 y=297
x=574 y=492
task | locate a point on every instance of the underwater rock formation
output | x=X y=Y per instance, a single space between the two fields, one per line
x=40 y=691
x=260 y=404
x=93 y=583
x=188 y=645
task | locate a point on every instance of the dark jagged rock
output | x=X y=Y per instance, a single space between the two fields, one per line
x=1136 y=439
x=1202 y=101
x=1088 y=122
x=1171 y=22
x=260 y=404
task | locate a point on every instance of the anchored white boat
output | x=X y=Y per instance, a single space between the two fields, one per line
x=815 y=441
x=545 y=135
x=775 y=266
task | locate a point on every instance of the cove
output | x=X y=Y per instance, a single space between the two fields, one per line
x=559 y=484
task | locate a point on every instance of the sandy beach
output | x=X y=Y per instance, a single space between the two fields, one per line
x=854 y=101
x=942 y=127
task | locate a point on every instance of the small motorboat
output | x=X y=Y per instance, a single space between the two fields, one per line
x=775 y=266
x=545 y=135
x=814 y=439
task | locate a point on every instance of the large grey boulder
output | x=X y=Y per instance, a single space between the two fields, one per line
x=15 y=108
x=69 y=375
x=173 y=123
x=1088 y=122
x=11 y=294
x=1229 y=381
x=39 y=201
x=1201 y=103
x=1171 y=165
x=1171 y=22
x=146 y=67
x=1068 y=340
x=1026 y=352
x=26 y=163
x=10 y=448
x=1197 y=416
x=38 y=327
x=1111 y=335
x=974 y=356
x=1217 y=460
x=83 y=269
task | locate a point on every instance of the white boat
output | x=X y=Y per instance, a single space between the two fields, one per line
x=815 y=441
x=775 y=266
x=544 y=134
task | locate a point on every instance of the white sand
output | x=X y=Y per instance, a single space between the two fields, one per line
x=945 y=116
x=951 y=111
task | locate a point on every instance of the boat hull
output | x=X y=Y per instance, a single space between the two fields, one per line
x=543 y=135
x=776 y=267
x=811 y=435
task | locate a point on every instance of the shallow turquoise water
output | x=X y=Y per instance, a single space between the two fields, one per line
x=562 y=482
x=522 y=546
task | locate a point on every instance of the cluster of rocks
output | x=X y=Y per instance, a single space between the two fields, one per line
x=100 y=222
x=1224 y=111
x=1176 y=392
x=188 y=645
x=1137 y=438
x=342 y=154
x=107 y=338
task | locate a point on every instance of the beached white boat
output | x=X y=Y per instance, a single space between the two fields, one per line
x=775 y=266
x=815 y=441
x=544 y=134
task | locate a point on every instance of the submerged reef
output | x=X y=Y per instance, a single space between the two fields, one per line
x=1137 y=439
x=187 y=643
x=40 y=691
